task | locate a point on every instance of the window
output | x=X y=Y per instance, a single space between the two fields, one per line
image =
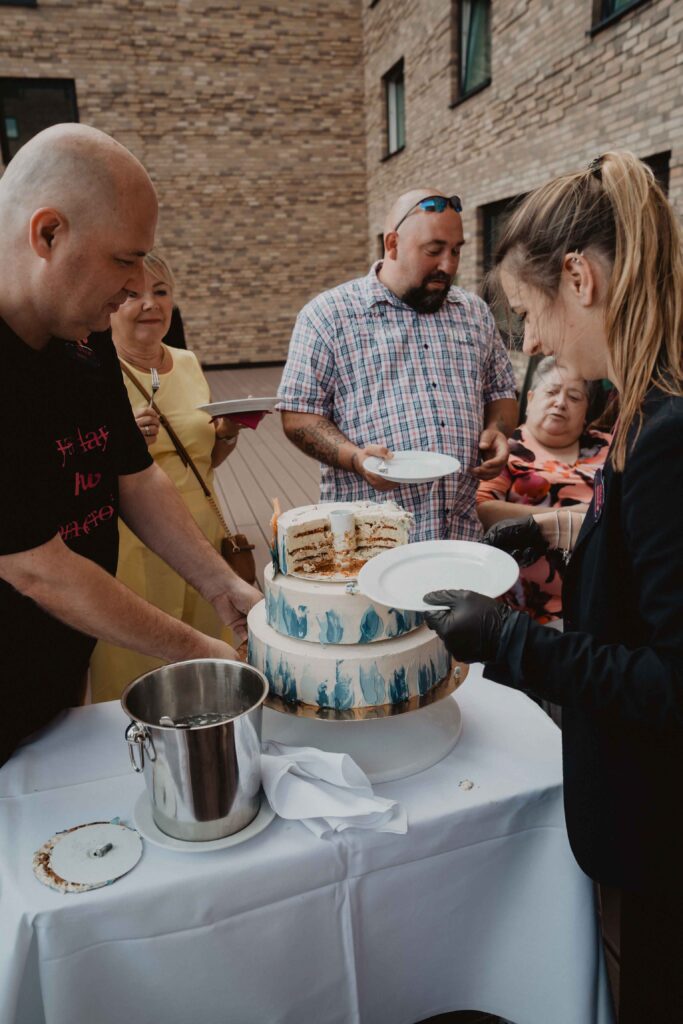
x=659 y=164
x=494 y=218
x=605 y=12
x=394 y=93
x=18 y=3
x=611 y=7
x=471 y=43
x=27 y=105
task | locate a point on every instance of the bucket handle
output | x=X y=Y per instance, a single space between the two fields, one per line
x=137 y=736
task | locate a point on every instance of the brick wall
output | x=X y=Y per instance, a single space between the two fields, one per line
x=558 y=97
x=249 y=117
x=262 y=124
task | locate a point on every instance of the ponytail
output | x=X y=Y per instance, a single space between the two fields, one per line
x=617 y=209
x=644 y=306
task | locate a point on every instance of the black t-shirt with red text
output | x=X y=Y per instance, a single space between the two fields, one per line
x=66 y=434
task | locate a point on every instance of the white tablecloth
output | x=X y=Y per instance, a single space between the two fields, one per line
x=479 y=906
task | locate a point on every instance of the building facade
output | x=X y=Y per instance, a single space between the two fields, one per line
x=278 y=133
x=248 y=116
x=500 y=95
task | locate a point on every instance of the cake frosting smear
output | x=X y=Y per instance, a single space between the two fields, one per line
x=339 y=537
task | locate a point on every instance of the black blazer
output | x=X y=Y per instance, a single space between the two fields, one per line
x=617 y=670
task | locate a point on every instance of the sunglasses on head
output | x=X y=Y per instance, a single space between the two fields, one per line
x=433 y=204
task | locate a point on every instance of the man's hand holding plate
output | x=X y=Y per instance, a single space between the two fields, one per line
x=375 y=480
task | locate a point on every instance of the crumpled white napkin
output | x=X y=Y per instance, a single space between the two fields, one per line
x=326 y=792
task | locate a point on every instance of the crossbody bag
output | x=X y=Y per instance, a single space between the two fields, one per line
x=236 y=549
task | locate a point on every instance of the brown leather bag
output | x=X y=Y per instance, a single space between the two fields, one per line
x=236 y=549
x=239 y=554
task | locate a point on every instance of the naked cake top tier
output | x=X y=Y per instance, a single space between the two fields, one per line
x=335 y=539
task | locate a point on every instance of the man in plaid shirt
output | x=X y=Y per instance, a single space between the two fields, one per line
x=402 y=360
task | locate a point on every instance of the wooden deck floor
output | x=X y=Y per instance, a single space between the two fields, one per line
x=263 y=466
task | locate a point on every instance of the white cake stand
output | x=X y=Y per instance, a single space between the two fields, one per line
x=386 y=748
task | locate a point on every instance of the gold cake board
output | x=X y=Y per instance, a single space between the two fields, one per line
x=389 y=744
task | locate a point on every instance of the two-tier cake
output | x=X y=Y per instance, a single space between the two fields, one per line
x=316 y=638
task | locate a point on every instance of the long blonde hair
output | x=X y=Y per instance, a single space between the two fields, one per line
x=616 y=208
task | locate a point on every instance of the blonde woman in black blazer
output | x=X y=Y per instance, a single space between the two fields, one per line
x=592 y=263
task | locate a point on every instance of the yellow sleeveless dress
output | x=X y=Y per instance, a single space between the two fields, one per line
x=182 y=389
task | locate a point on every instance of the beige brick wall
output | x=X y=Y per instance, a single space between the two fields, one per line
x=558 y=98
x=249 y=117
x=262 y=124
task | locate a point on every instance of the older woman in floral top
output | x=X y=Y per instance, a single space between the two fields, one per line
x=552 y=464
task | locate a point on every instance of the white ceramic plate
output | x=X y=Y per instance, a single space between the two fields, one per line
x=239 y=405
x=402 y=576
x=70 y=856
x=146 y=826
x=413 y=467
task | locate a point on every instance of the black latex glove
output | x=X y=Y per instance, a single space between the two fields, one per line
x=521 y=538
x=470 y=626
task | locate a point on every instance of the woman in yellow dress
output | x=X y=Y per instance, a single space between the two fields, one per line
x=137 y=329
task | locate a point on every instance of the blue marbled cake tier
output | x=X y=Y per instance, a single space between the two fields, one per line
x=346 y=676
x=327 y=613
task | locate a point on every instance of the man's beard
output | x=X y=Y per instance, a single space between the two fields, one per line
x=423 y=299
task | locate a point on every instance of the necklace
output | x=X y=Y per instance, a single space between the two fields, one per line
x=146 y=366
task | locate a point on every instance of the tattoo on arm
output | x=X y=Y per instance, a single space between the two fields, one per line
x=321 y=440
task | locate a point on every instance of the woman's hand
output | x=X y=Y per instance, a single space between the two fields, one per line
x=227 y=432
x=226 y=428
x=148 y=422
x=521 y=538
x=470 y=625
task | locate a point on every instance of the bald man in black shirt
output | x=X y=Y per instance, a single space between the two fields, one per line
x=78 y=213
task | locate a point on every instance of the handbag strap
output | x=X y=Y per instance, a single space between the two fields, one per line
x=182 y=452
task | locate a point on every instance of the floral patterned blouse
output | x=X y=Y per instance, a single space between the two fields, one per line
x=534 y=477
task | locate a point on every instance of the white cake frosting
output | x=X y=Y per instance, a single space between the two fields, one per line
x=330 y=613
x=346 y=676
x=307 y=543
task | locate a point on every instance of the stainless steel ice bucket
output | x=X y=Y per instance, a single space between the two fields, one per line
x=203 y=780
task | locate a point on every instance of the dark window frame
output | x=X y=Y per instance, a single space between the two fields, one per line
x=458 y=93
x=603 y=17
x=487 y=216
x=489 y=211
x=31 y=83
x=18 y=3
x=393 y=76
x=660 y=165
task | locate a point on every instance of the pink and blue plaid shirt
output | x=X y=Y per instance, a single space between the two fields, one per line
x=385 y=374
